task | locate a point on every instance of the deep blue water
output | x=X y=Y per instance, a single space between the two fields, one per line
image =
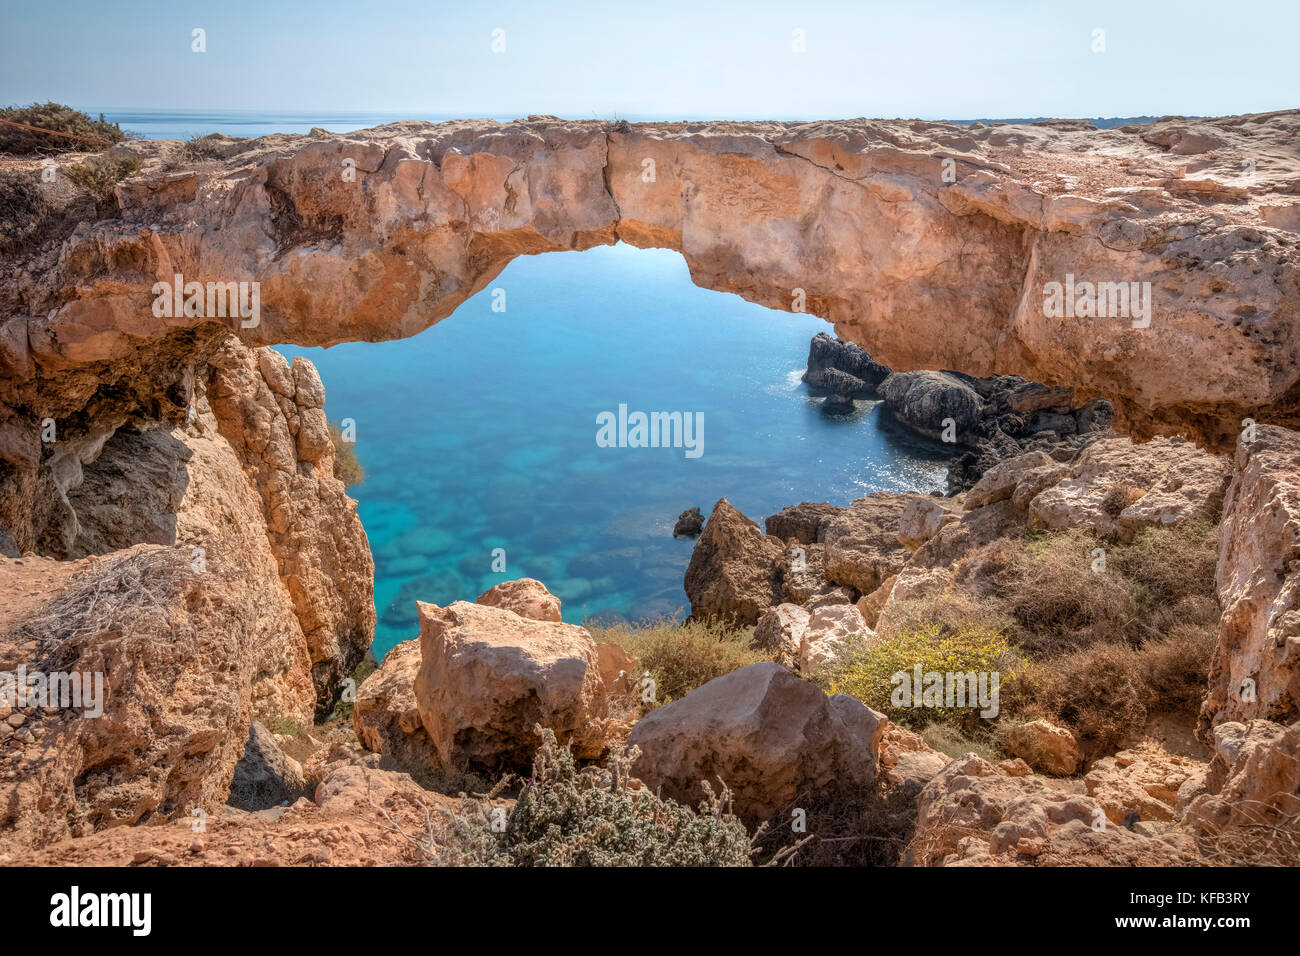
x=480 y=433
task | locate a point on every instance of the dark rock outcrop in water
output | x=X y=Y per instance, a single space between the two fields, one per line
x=991 y=418
x=689 y=524
x=842 y=369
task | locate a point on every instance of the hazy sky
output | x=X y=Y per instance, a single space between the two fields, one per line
x=940 y=59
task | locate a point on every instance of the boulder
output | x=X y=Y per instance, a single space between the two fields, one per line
x=386 y=716
x=925 y=400
x=842 y=368
x=923 y=517
x=870 y=605
x=1253 y=798
x=735 y=570
x=905 y=758
x=618 y=668
x=1019 y=479
x=832 y=631
x=1255 y=670
x=804 y=523
x=526 y=597
x=488 y=677
x=803 y=573
x=265 y=777
x=773 y=738
x=1044 y=746
x=780 y=634
x=862 y=546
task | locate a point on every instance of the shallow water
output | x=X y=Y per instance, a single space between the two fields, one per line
x=480 y=433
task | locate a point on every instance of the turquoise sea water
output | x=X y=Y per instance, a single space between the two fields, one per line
x=480 y=433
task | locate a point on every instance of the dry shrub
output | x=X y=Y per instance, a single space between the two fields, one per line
x=1176 y=669
x=682 y=657
x=347 y=467
x=1105 y=692
x=99 y=178
x=1098 y=692
x=1059 y=601
x=23 y=209
x=870 y=827
x=951 y=741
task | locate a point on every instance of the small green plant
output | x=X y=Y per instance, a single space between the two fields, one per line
x=200 y=148
x=682 y=657
x=284 y=726
x=869 y=675
x=347 y=468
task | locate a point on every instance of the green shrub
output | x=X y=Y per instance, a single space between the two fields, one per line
x=682 y=657
x=590 y=817
x=347 y=468
x=62 y=119
x=869 y=674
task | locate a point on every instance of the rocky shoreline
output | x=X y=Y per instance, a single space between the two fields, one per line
x=181 y=531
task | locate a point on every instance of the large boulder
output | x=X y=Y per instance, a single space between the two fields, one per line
x=1044 y=746
x=923 y=517
x=804 y=523
x=771 y=737
x=862 y=544
x=833 y=630
x=265 y=776
x=927 y=400
x=735 y=570
x=527 y=597
x=1117 y=487
x=386 y=716
x=1255 y=671
x=488 y=677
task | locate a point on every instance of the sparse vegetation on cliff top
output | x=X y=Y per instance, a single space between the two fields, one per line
x=57 y=117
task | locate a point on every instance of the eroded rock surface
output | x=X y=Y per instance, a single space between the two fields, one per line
x=1255 y=672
